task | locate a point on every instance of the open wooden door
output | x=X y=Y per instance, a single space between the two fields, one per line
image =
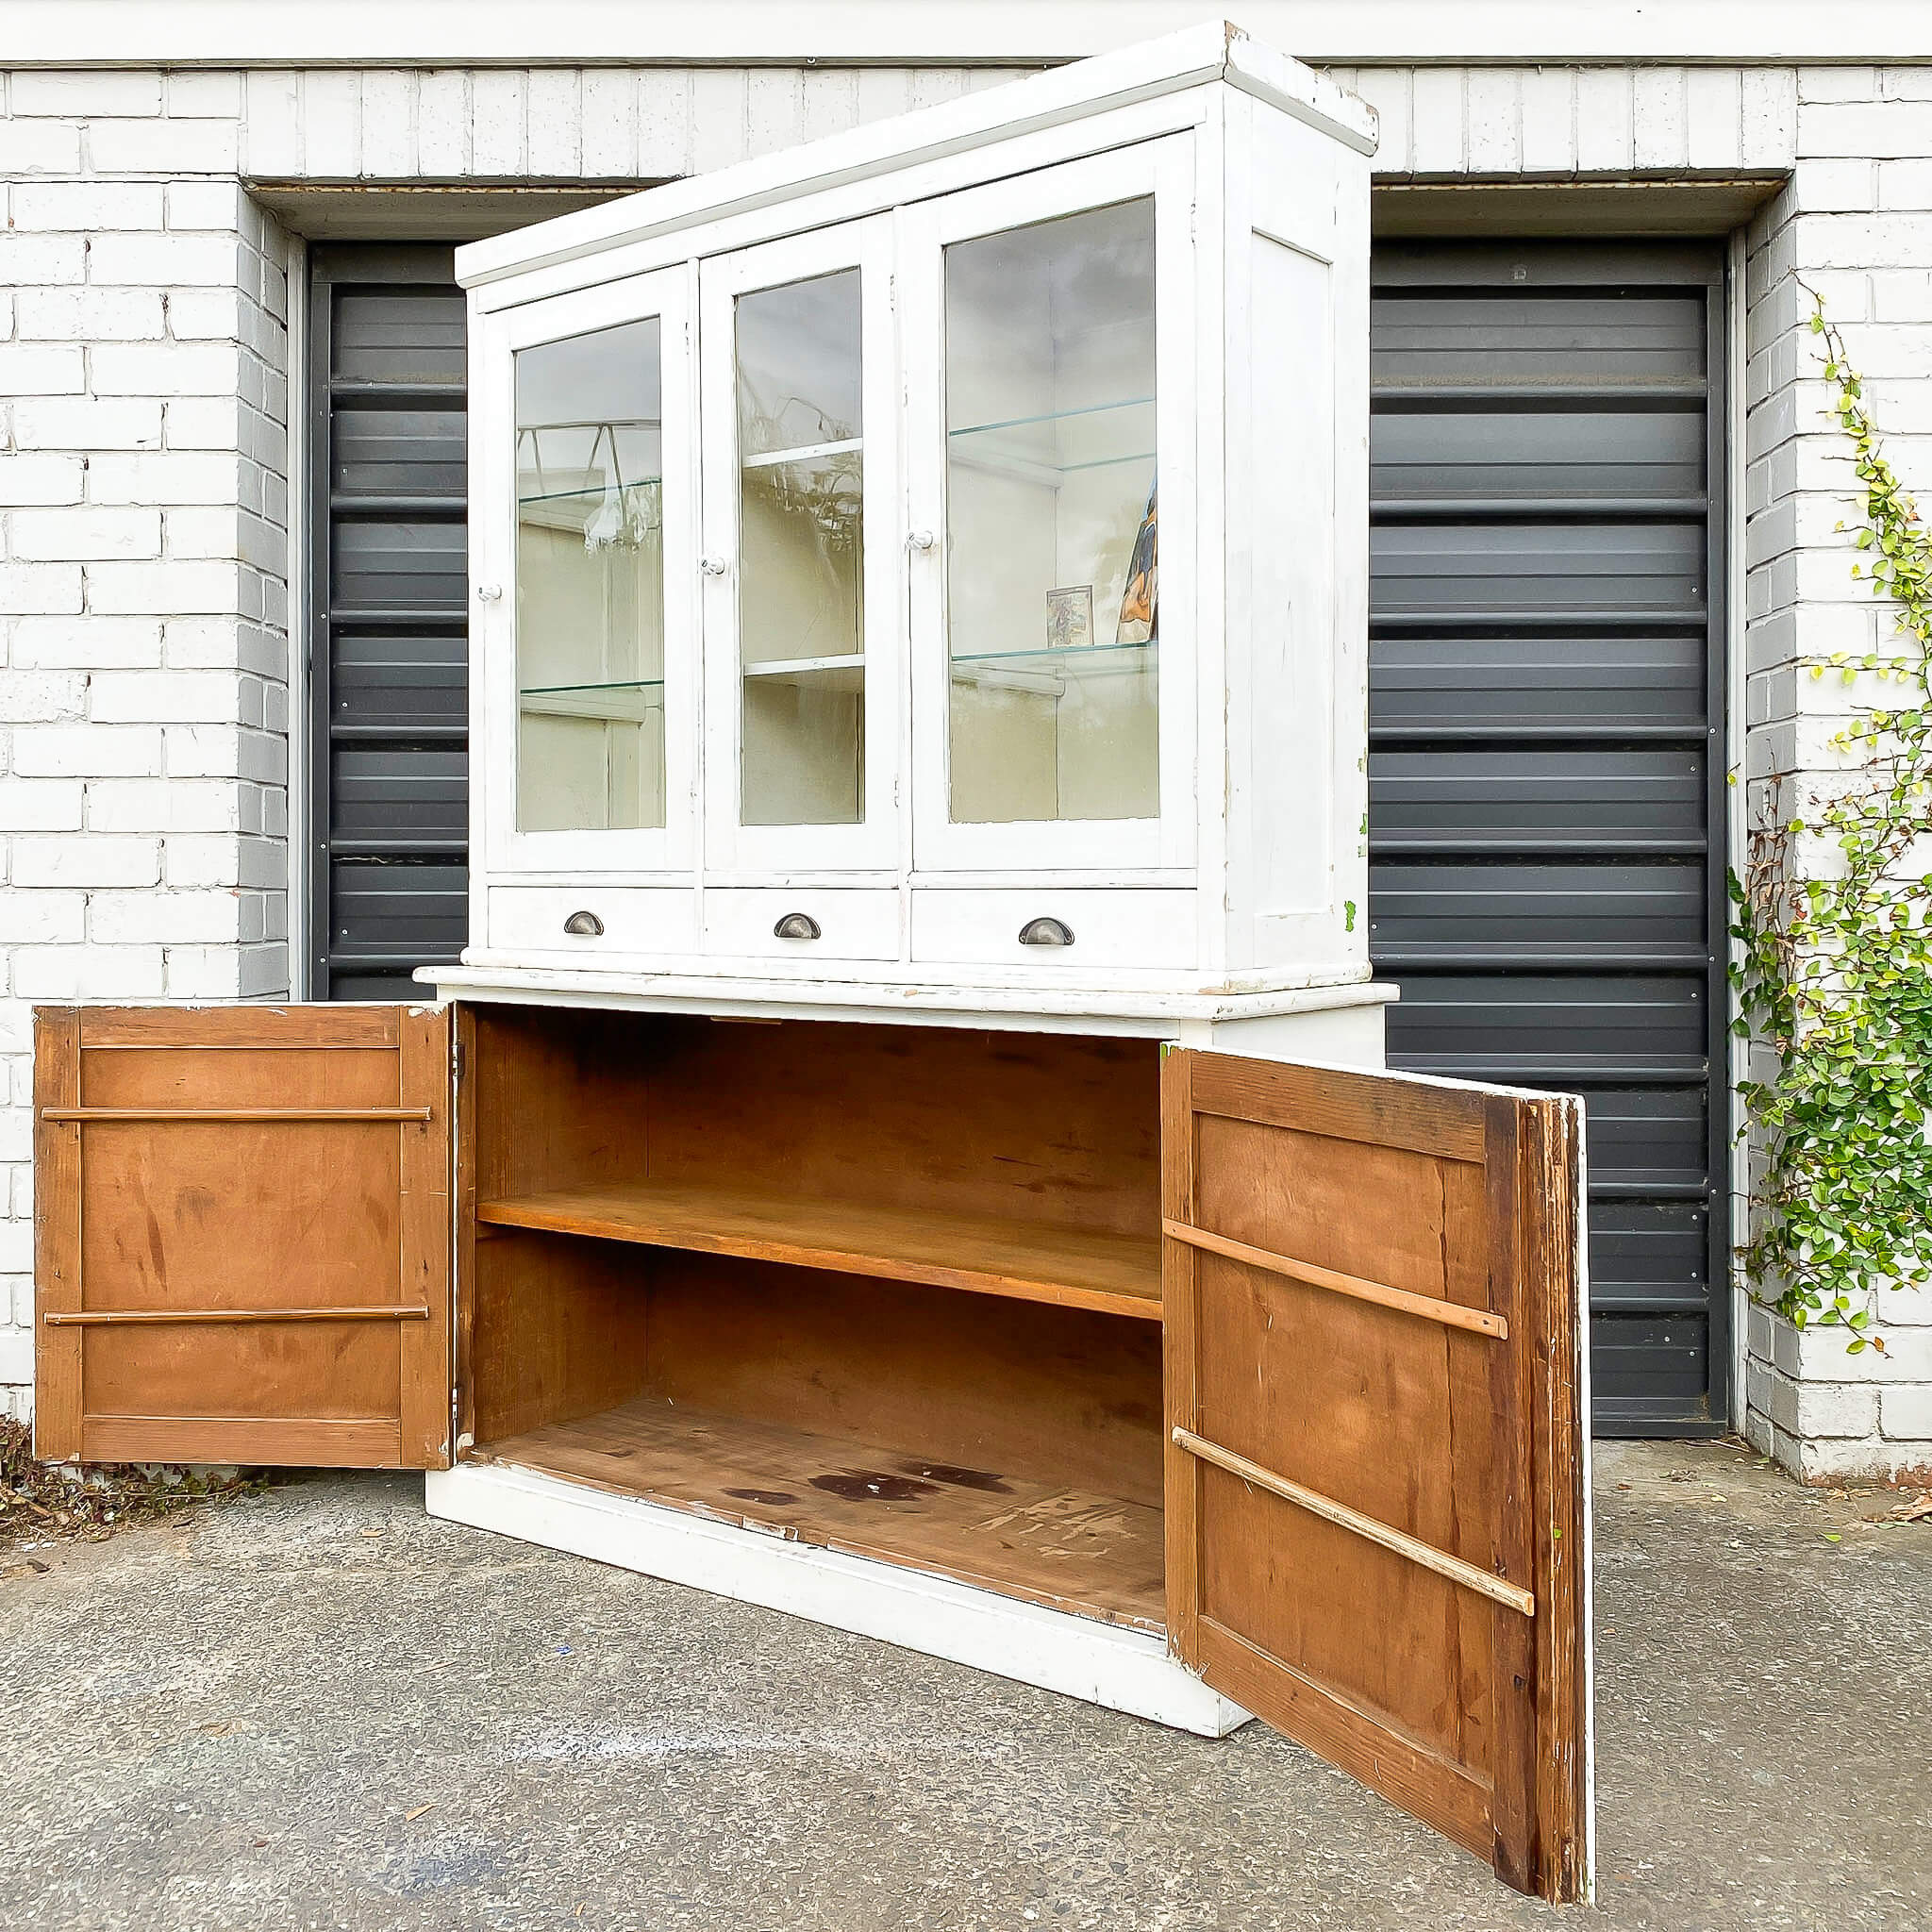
x=242 y=1235
x=1377 y=1535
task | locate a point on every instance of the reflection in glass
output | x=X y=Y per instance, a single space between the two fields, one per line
x=1051 y=520
x=591 y=582
x=801 y=619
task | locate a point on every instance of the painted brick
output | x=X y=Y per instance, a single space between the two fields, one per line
x=79 y=535
x=609 y=124
x=1906 y=1414
x=497 y=146
x=85 y=643
x=78 y=860
x=208 y=204
x=42 y=477
x=87 y=422
x=90 y=315
x=1714 y=116
x=41 y=805
x=93 y=92
x=164 y=147
x=1661 y=117
x=169 y=918
x=442 y=124
x=1880 y=130
x=39 y=147
x=166 y=260
x=163 y=588
x=214 y=96
x=162 y=697
x=1439 y=125
x=555 y=123
x=86 y=205
x=172 y=804
x=41 y=369
x=31 y=589
x=1549 y=120
x=88 y=972
x=331 y=125
x=42 y=918
x=40 y=697
x=1904 y=185
x=1494 y=109
x=206 y=369
x=85 y=751
x=388 y=148
x=25 y=259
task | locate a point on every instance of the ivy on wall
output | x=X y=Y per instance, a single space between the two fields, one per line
x=1835 y=977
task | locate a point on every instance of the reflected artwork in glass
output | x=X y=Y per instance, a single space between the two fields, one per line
x=801 y=622
x=1051 y=520
x=589 y=608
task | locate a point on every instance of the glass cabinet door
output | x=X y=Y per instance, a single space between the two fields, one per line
x=1054 y=426
x=595 y=769
x=799 y=479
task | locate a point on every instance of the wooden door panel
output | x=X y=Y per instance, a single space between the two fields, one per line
x=242 y=1231
x=1374 y=1465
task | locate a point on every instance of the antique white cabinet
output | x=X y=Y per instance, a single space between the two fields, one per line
x=907 y=1145
x=916 y=562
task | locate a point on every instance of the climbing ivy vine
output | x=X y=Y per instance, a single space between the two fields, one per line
x=1833 y=916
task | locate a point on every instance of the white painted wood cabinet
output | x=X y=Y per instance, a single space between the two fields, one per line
x=936 y=556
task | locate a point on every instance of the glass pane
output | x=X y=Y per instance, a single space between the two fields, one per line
x=591 y=582
x=1052 y=573
x=801 y=572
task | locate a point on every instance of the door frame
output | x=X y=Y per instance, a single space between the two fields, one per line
x=1707 y=264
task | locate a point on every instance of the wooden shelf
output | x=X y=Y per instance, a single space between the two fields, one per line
x=1077 y=1550
x=1075 y=1268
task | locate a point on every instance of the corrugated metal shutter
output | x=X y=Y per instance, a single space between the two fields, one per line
x=1546 y=764
x=389 y=647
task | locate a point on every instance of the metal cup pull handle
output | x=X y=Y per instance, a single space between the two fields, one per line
x=584 y=925
x=796 y=926
x=1046 y=932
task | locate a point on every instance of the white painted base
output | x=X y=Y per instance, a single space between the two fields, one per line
x=1124 y=1670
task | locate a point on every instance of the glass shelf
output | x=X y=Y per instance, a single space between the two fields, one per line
x=592 y=490
x=1053 y=416
x=1069 y=655
x=554 y=690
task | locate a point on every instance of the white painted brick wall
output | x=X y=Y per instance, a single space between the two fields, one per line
x=143 y=494
x=1855 y=223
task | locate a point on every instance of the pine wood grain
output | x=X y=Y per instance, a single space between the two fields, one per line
x=1067 y=1266
x=1072 y=1549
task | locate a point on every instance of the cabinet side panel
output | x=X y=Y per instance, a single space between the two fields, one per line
x=1297 y=550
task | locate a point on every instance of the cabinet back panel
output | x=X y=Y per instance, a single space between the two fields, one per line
x=1019 y=1389
x=1033 y=1128
x=1027 y=1128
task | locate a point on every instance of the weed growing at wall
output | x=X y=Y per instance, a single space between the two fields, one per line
x=1836 y=977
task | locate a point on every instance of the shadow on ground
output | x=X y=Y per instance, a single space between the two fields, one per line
x=318 y=1708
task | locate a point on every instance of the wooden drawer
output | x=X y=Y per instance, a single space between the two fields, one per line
x=635 y=919
x=1111 y=929
x=854 y=922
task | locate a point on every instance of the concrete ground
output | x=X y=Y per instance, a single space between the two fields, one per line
x=316 y=1708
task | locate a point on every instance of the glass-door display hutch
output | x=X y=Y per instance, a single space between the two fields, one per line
x=906 y=1142
x=923 y=570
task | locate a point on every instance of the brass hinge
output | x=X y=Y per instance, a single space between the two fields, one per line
x=455 y=1060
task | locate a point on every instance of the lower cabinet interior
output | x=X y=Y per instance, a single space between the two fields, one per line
x=894 y=1290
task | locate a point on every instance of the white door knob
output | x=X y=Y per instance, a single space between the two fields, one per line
x=921 y=540
x=711 y=566
x=489 y=593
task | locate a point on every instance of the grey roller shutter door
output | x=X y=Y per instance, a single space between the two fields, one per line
x=1546 y=732
x=389 y=648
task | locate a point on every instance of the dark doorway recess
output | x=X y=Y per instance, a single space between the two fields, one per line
x=1547 y=744
x=389 y=816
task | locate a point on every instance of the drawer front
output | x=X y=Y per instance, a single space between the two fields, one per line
x=852 y=923
x=635 y=919
x=1111 y=929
